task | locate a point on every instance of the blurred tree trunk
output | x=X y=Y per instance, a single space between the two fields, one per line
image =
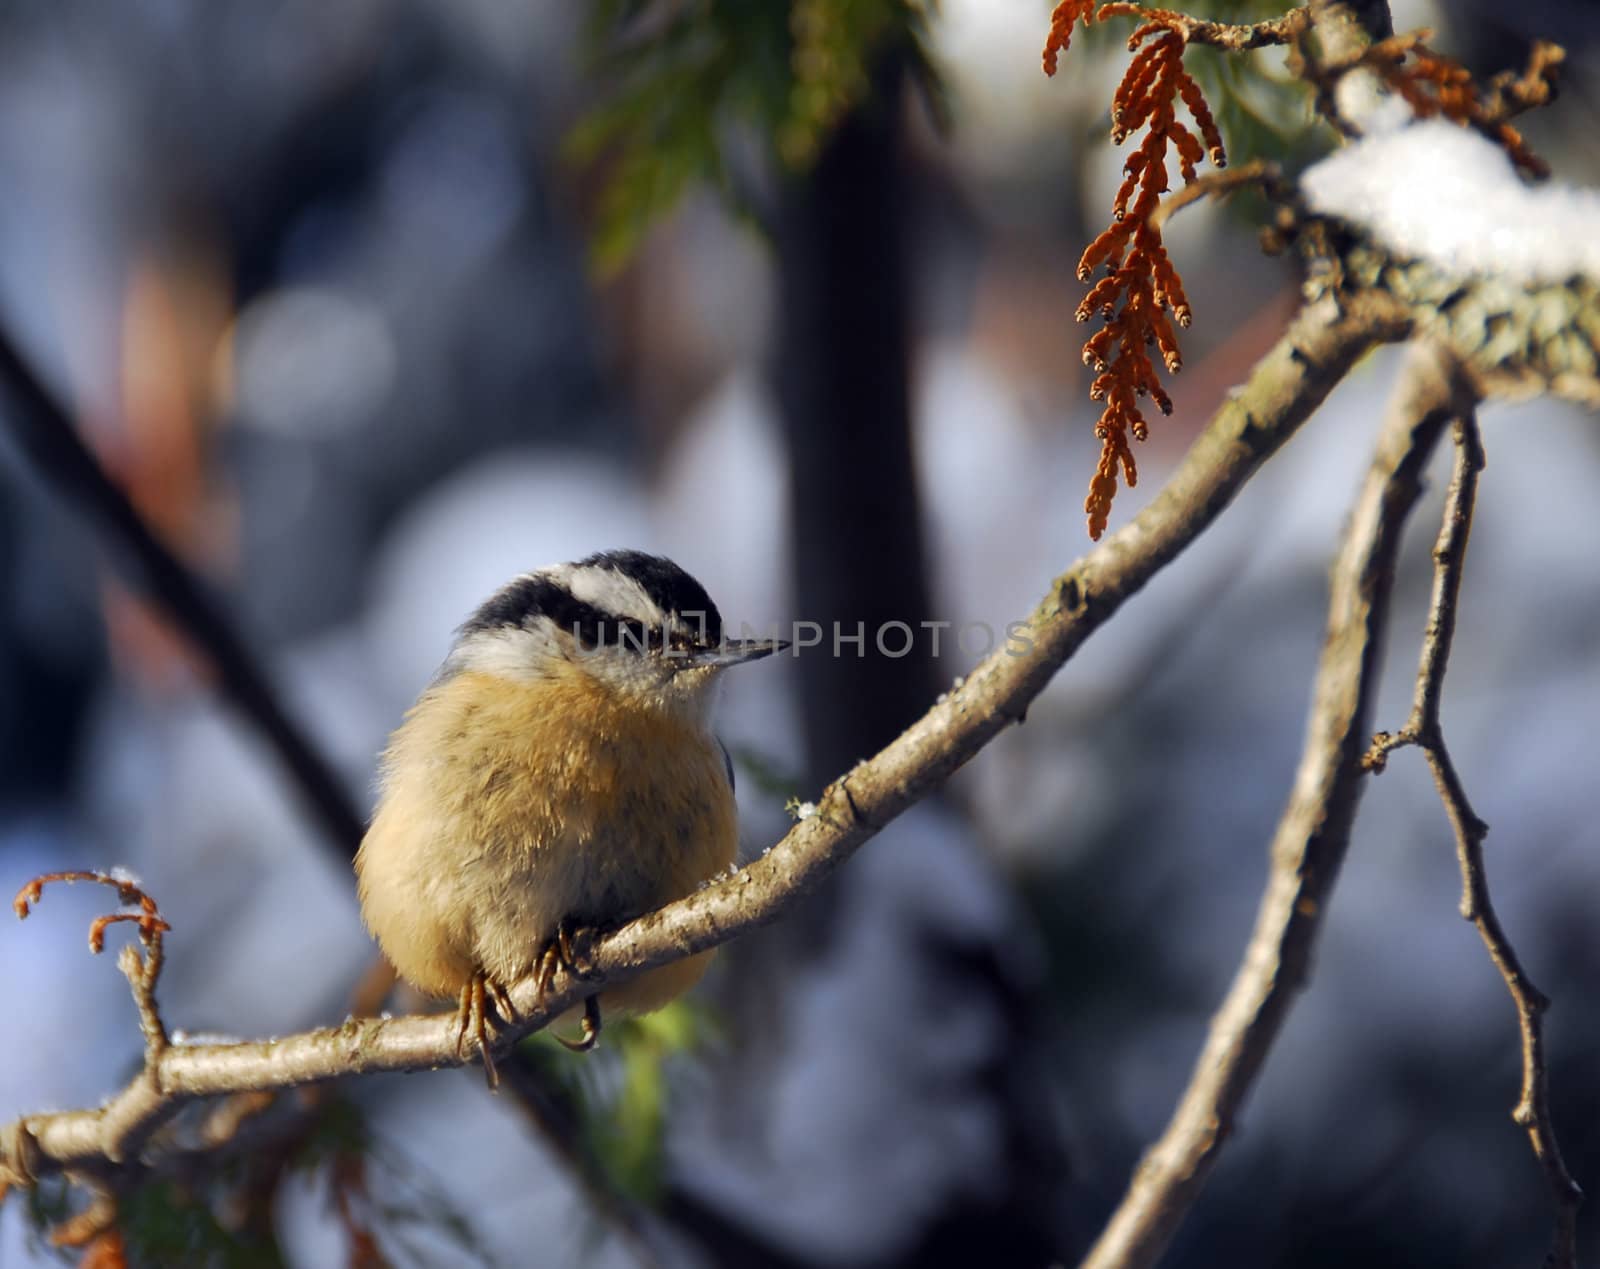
x=842 y=377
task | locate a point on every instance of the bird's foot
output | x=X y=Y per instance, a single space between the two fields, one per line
x=591 y=1027
x=572 y=950
x=478 y=997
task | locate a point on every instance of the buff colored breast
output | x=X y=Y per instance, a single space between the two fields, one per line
x=507 y=807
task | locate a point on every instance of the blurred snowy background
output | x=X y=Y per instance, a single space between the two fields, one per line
x=312 y=278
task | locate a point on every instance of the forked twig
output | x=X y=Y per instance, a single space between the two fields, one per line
x=1308 y=846
x=1424 y=730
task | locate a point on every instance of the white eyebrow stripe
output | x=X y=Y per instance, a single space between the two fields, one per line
x=612 y=592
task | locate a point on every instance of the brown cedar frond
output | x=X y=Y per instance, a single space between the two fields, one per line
x=1196 y=102
x=1141 y=286
x=1435 y=85
x=1062 y=20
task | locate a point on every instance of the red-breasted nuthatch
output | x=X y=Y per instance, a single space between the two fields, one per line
x=558 y=775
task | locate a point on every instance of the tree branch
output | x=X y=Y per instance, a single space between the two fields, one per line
x=1308 y=845
x=1229 y=36
x=46 y=435
x=1424 y=730
x=1283 y=390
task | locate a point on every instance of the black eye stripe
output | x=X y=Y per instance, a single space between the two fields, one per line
x=620 y=632
x=534 y=596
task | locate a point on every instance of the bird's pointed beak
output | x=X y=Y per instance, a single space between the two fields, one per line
x=734 y=652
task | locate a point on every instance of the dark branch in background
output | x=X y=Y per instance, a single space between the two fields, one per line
x=1341 y=33
x=1282 y=392
x=840 y=368
x=1424 y=730
x=1308 y=846
x=46 y=435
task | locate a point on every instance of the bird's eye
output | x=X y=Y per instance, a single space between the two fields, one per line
x=622 y=633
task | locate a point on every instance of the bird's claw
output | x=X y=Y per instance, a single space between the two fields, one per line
x=572 y=950
x=591 y=1027
x=480 y=994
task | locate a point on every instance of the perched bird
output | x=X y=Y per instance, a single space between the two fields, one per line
x=558 y=775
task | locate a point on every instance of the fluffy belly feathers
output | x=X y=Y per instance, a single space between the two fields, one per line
x=508 y=808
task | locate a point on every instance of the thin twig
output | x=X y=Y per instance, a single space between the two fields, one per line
x=45 y=433
x=1424 y=730
x=142 y=971
x=1233 y=37
x=230 y=1116
x=1308 y=846
x=1284 y=389
x=1220 y=184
